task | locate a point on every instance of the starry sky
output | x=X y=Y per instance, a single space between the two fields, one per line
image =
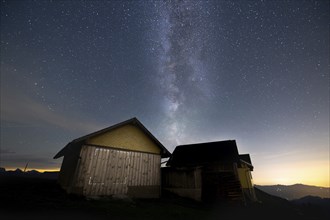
x=190 y=71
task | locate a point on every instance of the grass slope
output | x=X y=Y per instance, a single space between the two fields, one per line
x=37 y=198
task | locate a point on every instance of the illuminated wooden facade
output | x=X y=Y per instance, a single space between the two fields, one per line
x=123 y=159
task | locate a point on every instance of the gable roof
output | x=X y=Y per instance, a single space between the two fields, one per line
x=204 y=153
x=79 y=141
x=246 y=159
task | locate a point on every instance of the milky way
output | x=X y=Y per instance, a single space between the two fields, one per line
x=182 y=70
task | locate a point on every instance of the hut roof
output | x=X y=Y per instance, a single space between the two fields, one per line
x=245 y=158
x=81 y=140
x=204 y=153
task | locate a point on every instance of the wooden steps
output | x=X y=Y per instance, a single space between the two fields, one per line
x=222 y=187
x=232 y=187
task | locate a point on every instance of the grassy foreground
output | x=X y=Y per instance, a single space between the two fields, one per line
x=36 y=198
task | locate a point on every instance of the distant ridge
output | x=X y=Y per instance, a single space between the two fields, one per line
x=296 y=191
x=313 y=200
x=31 y=173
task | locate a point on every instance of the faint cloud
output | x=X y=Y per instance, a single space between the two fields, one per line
x=19 y=108
x=6 y=151
x=278 y=155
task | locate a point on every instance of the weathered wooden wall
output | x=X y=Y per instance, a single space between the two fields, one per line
x=215 y=182
x=109 y=171
x=185 y=182
x=246 y=181
x=245 y=177
x=68 y=167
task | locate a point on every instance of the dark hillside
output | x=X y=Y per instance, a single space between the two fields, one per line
x=313 y=200
x=40 y=198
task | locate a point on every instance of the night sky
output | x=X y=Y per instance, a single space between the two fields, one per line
x=190 y=71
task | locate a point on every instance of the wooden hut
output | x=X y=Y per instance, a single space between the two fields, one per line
x=208 y=172
x=123 y=159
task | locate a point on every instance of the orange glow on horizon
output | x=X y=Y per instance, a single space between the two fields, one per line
x=37 y=169
x=288 y=182
x=315 y=173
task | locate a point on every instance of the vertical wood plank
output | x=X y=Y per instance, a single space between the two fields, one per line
x=147 y=169
x=127 y=170
x=94 y=170
x=106 y=174
x=103 y=169
x=119 y=171
x=115 y=171
x=96 y=178
x=110 y=172
x=130 y=173
x=157 y=173
x=97 y=182
x=88 y=185
x=98 y=172
x=144 y=163
x=154 y=175
x=122 y=173
x=141 y=169
x=81 y=168
x=86 y=160
x=134 y=180
x=90 y=170
x=150 y=164
x=154 y=170
x=138 y=169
